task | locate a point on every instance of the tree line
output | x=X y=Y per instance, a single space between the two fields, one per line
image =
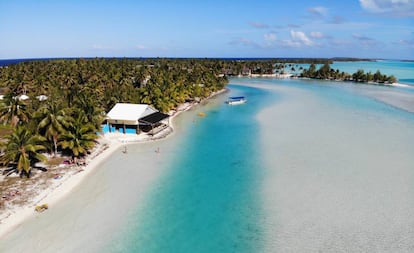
x=326 y=72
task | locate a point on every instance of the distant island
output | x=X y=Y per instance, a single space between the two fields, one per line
x=290 y=68
x=325 y=72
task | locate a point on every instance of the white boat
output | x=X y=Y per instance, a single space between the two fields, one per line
x=236 y=100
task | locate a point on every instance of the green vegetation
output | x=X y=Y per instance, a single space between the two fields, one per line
x=58 y=105
x=327 y=73
x=22 y=151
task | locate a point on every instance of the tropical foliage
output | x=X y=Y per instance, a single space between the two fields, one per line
x=326 y=72
x=79 y=135
x=51 y=118
x=22 y=151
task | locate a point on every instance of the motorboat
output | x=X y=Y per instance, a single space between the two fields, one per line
x=236 y=100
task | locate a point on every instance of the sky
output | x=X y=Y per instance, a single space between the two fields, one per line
x=226 y=28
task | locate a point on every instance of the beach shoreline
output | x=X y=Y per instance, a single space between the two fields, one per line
x=66 y=182
x=16 y=215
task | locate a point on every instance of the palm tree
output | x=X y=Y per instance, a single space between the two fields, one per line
x=359 y=75
x=22 y=150
x=80 y=136
x=13 y=110
x=89 y=105
x=70 y=88
x=52 y=118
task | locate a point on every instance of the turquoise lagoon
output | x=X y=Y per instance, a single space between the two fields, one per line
x=209 y=201
x=303 y=166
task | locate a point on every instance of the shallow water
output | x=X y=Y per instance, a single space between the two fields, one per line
x=323 y=167
x=209 y=200
x=303 y=166
x=339 y=171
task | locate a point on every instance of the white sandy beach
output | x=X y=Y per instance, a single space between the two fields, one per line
x=50 y=196
x=108 y=144
x=400 y=85
x=68 y=189
x=97 y=210
x=85 y=213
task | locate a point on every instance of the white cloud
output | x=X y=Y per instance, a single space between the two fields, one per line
x=392 y=7
x=271 y=40
x=301 y=38
x=270 y=37
x=369 y=5
x=316 y=35
x=318 y=10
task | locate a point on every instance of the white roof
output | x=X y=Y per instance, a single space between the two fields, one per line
x=42 y=97
x=23 y=97
x=123 y=111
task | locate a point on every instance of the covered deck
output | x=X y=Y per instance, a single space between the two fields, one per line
x=154 y=123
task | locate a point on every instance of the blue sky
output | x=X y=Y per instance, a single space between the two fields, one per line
x=183 y=28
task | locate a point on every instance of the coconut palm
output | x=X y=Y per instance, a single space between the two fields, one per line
x=89 y=105
x=22 y=150
x=80 y=136
x=52 y=118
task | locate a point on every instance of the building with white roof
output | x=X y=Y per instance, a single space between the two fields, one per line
x=128 y=114
x=124 y=115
